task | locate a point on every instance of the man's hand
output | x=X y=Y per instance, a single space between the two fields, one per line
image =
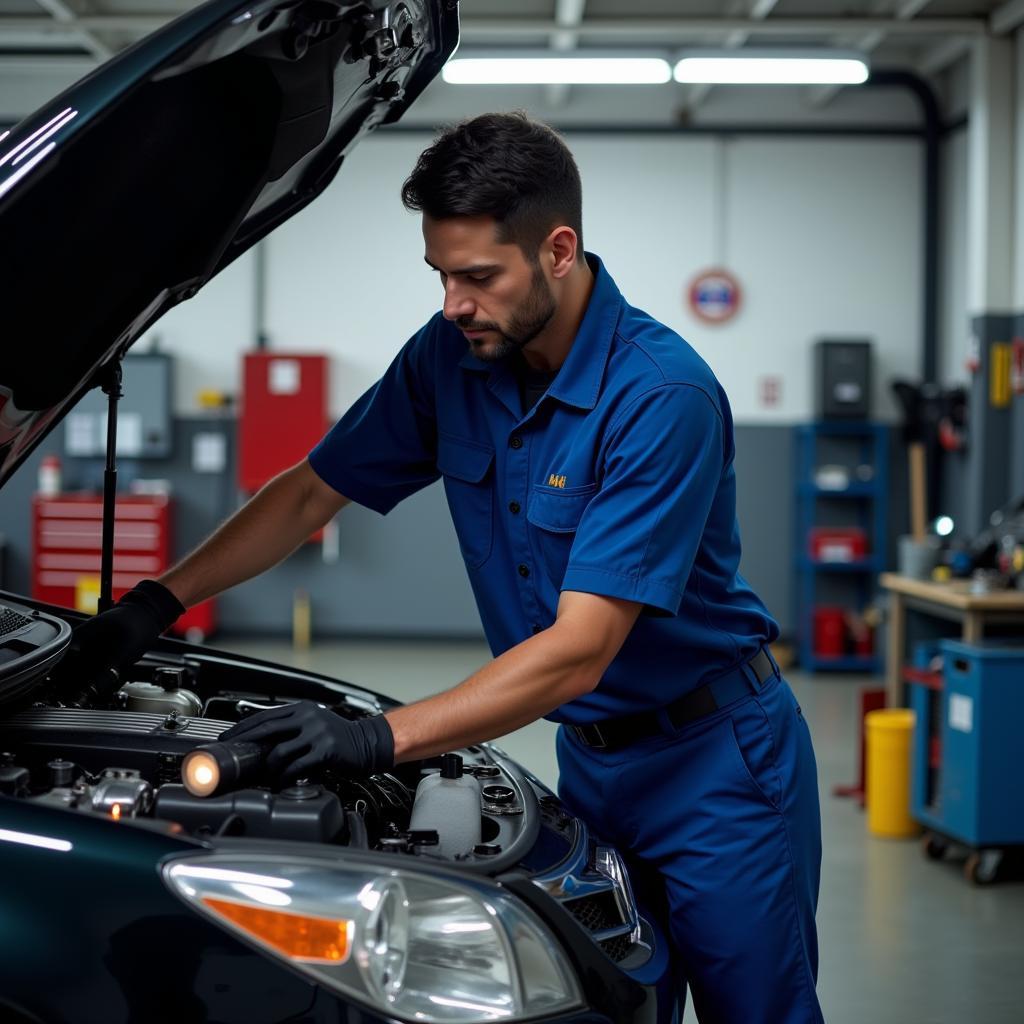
x=119 y=636
x=307 y=736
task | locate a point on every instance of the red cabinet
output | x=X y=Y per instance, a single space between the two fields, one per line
x=67 y=540
x=283 y=413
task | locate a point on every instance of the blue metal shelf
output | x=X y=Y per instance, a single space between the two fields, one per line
x=867 y=443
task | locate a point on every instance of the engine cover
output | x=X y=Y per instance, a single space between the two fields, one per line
x=151 y=744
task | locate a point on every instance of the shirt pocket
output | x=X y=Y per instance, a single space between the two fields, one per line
x=465 y=467
x=556 y=514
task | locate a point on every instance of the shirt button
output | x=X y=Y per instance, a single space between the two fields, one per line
x=524 y=571
x=513 y=507
x=516 y=441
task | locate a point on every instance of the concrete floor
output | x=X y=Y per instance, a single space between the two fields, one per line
x=903 y=940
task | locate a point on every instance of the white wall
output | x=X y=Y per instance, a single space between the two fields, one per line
x=26 y=85
x=824 y=234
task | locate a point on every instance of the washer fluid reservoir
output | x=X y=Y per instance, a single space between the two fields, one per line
x=449 y=803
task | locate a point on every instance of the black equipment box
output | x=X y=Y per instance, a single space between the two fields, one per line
x=842 y=380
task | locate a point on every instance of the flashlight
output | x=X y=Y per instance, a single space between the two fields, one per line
x=216 y=767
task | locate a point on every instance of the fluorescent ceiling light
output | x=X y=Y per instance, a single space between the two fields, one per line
x=741 y=67
x=557 y=71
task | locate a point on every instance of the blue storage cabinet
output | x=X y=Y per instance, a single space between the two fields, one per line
x=972 y=792
x=867 y=506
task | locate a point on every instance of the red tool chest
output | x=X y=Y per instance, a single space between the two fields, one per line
x=67 y=540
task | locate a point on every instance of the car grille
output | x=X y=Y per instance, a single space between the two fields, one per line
x=617 y=949
x=596 y=912
x=600 y=912
x=10 y=620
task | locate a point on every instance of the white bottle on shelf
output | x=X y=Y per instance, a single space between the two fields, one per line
x=49 y=476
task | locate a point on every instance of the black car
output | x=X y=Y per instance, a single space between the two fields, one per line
x=128 y=895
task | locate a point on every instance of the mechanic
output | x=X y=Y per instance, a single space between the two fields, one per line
x=587 y=456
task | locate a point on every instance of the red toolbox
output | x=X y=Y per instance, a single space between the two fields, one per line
x=838 y=543
x=67 y=541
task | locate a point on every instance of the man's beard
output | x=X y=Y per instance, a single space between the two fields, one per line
x=532 y=316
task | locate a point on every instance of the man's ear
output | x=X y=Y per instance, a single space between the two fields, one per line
x=561 y=244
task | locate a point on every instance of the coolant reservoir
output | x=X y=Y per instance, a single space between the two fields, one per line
x=449 y=803
x=162 y=696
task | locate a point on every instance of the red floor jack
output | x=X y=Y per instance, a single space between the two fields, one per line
x=870 y=700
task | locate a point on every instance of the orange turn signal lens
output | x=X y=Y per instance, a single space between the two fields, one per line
x=297 y=936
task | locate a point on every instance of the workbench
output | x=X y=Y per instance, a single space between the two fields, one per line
x=952 y=601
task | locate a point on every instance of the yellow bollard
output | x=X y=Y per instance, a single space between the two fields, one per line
x=302 y=621
x=889 y=734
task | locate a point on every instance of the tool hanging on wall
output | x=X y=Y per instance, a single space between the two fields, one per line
x=934 y=420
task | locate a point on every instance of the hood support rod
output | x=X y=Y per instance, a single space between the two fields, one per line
x=111 y=386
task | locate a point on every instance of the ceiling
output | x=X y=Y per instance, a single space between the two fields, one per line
x=925 y=36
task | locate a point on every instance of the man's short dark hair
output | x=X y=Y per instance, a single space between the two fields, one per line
x=504 y=166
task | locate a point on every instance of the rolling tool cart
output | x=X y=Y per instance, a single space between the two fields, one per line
x=970 y=715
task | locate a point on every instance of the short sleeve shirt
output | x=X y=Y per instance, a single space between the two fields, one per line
x=618 y=482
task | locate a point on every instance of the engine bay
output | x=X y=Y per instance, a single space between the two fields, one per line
x=120 y=756
x=127 y=764
x=121 y=752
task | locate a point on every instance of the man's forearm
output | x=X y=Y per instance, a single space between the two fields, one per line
x=518 y=687
x=264 y=531
x=525 y=683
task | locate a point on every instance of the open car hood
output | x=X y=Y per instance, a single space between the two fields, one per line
x=128 y=192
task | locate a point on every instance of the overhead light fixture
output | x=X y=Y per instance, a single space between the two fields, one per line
x=557 y=71
x=767 y=67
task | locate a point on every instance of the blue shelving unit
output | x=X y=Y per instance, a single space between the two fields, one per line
x=864 y=504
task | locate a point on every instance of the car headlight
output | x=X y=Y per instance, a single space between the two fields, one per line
x=421 y=947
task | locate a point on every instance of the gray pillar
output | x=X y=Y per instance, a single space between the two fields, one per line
x=1016 y=474
x=991 y=279
x=988 y=484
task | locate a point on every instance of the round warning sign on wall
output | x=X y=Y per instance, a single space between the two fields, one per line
x=714 y=296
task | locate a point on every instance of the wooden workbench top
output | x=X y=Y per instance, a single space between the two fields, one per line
x=954 y=594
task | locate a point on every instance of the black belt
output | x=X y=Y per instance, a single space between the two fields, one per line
x=619 y=732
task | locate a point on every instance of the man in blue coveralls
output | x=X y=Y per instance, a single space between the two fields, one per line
x=587 y=456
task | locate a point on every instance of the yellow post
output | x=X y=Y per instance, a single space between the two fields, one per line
x=301 y=621
x=889 y=734
x=87 y=594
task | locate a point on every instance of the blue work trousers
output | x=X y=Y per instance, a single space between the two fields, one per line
x=721 y=818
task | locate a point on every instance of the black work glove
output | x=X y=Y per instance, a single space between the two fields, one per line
x=306 y=735
x=119 y=636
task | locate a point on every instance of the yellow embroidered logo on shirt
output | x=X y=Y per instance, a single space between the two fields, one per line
x=556 y=481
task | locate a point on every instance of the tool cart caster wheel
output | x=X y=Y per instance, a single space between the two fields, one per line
x=934 y=847
x=982 y=866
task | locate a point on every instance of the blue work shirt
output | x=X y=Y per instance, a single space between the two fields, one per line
x=619 y=481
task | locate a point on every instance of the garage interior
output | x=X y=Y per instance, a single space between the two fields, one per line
x=816 y=244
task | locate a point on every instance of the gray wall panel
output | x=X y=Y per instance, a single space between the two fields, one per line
x=764 y=507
